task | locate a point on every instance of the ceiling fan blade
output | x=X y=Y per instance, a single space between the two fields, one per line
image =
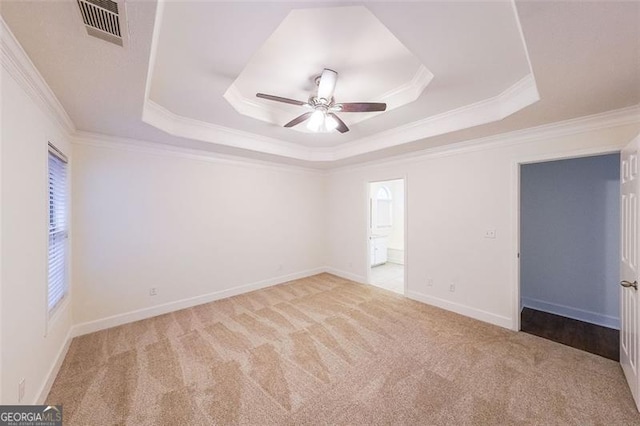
x=362 y=107
x=299 y=119
x=327 y=84
x=280 y=99
x=342 y=128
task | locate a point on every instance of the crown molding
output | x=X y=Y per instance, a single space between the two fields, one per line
x=165 y=120
x=153 y=52
x=609 y=119
x=411 y=89
x=590 y=123
x=253 y=108
x=20 y=67
x=98 y=140
x=514 y=98
x=523 y=93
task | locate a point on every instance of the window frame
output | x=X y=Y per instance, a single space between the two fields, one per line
x=384 y=202
x=51 y=311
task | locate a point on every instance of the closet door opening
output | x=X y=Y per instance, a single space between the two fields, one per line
x=570 y=250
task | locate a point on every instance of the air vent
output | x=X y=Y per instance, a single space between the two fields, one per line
x=102 y=20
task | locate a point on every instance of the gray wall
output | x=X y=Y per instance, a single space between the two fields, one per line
x=570 y=238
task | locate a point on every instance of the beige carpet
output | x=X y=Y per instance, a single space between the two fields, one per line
x=324 y=350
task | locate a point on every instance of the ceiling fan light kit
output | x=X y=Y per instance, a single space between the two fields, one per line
x=322 y=118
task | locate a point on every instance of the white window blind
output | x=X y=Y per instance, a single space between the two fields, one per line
x=57 y=283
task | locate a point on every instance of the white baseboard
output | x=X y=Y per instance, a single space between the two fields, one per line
x=395 y=256
x=345 y=275
x=465 y=310
x=55 y=368
x=569 y=312
x=144 y=313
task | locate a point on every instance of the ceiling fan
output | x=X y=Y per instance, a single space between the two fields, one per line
x=322 y=116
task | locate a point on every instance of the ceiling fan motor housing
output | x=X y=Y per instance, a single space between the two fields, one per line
x=324 y=103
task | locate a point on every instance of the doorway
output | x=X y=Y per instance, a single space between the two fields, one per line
x=570 y=250
x=386 y=234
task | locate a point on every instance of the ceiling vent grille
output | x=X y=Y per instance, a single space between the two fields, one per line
x=101 y=19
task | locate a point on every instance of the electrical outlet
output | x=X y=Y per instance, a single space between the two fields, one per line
x=350 y=264
x=21 y=389
x=429 y=282
x=153 y=291
x=490 y=233
x=452 y=287
x=280 y=267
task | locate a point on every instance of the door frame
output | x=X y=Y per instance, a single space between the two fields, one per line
x=515 y=220
x=367 y=245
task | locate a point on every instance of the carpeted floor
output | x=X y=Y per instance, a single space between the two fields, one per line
x=324 y=350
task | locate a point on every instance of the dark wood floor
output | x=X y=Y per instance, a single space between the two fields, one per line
x=578 y=334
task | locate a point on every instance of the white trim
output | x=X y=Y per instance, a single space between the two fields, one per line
x=155 y=37
x=144 y=313
x=160 y=117
x=257 y=109
x=570 y=312
x=516 y=307
x=134 y=145
x=511 y=100
x=609 y=119
x=405 y=261
x=522 y=38
x=412 y=89
x=369 y=206
x=514 y=98
x=461 y=309
x=41 y=395
x=17 y=63
x=590 y=123
x=346 y=275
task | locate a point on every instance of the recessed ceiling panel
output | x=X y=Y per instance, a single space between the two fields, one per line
x=372 y=65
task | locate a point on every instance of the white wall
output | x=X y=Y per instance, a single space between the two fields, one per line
x=570 y=238
x=194 y=228
x=453 y=197
x=29 y=343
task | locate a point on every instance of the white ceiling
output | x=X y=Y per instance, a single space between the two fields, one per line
x=372 y=65
x=475 y=51
x=585 y=58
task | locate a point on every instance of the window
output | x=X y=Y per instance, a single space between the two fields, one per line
x=57 y=282
x=384 y=213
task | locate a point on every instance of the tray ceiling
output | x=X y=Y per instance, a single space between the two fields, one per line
x=491 y=61
x=439 y=67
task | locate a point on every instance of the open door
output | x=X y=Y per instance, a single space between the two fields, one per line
x=629 y=320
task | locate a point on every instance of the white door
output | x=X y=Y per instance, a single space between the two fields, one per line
x=629 y=321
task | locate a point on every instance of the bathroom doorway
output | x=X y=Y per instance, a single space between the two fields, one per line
x=386 y=235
